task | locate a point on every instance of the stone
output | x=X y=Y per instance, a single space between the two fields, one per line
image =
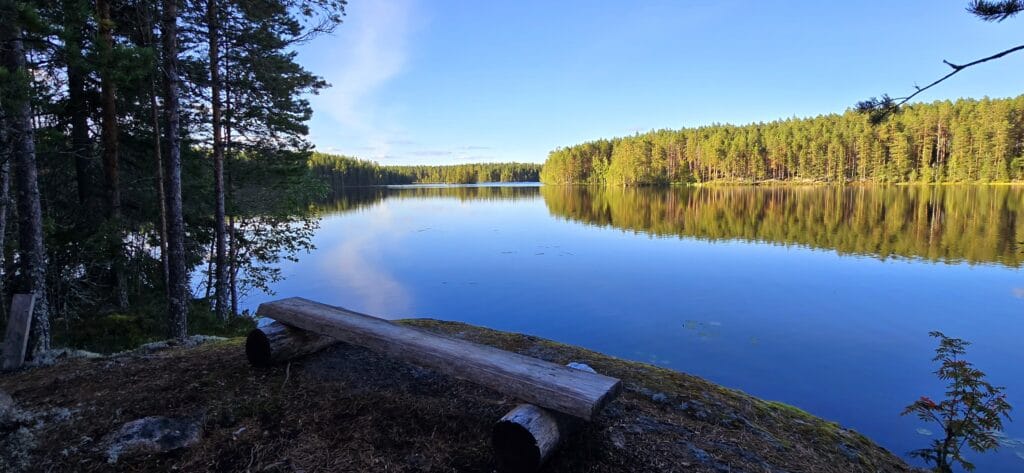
x=154 y=434
x=52 y=357
x=696 y=410
x=699 y=454
x=12 y=416
x=849 y=452
x=618 y=440
x=6 y=405
x=581 y=366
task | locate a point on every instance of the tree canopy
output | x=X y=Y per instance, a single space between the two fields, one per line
x=170 y=141
x=964 y=141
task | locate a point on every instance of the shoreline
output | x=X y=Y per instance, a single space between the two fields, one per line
x=356 y=410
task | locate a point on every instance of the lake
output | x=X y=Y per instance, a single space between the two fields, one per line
x=820 y=297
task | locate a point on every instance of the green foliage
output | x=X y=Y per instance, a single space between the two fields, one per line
x=962 y=141
x=115 y=332
x=269 y=187
x=344 y=171
x=995 y=10
x=971 y=413
x=202 y=320
x=111 y=333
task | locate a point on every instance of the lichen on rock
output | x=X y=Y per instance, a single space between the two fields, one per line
x=153 y=434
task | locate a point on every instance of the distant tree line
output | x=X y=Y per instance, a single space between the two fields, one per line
x=344 y=171
x=963 y=141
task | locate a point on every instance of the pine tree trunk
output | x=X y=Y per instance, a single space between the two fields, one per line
x=220 y=276
x=232 y=260
x=177 y=274
x=209 y=272
x=109 y=139
x=161 y=197
x=234 y=266
x=81 y=145
x=5 y=192
x=18 y=118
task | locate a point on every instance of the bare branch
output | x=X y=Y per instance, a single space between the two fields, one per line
x=880 y=108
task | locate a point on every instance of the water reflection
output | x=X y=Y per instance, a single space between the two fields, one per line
x=353 y=262
x=716 y=282
x=976 y=224
x=353 y=198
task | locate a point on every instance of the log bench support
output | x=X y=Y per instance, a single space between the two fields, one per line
x=558 y=398
x=526 y=437
x=277 y=343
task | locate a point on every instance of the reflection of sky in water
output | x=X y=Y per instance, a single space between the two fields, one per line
x=843 y=337
x=352 y=264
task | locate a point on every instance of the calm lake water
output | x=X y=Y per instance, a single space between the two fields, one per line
x=820 y=297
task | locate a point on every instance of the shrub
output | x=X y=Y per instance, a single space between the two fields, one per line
x=970 y=415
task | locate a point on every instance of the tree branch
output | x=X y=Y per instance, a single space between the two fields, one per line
x=880 y=108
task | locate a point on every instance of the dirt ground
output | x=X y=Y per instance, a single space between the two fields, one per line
x=347 y=409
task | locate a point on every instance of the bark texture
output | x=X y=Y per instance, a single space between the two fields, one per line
x=109 y=136
x=177 y=274
x=18 y=117
x=5 y=199
x=216 y=105
x=559 y=388
x=525 y=438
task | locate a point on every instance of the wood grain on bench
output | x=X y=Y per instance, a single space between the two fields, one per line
x=574 y=392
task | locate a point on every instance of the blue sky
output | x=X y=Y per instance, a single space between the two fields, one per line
x=441 y=82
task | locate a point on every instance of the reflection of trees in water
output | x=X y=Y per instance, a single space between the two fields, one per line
x=354 y=198
x=977 y=224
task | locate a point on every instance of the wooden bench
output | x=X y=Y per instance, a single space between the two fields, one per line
x=523 y=439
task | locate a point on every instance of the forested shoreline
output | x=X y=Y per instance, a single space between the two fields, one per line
x=968 y=141
x=156 y=164
x=344 y=171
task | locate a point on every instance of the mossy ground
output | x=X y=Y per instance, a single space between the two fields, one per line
x=347 y=409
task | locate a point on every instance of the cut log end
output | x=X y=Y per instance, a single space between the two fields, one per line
x=525 y=438
x=257 y=348
x=278 y=343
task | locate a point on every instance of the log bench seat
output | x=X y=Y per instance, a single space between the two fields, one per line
x=556 y=396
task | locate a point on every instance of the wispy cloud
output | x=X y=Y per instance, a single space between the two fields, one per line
x=430 y=152
x=373 y=52
x=401 y=142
